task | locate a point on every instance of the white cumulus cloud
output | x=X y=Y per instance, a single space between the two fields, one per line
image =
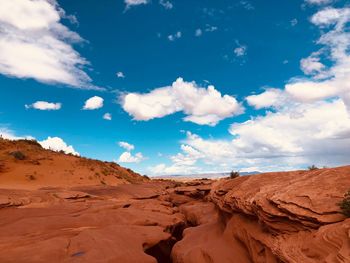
x=35 y=44
x=44 y=105
x=317 y=133
x=93 y=103
x=204 y=106
x=57 y=144
x=127 y=157
x=309 y=122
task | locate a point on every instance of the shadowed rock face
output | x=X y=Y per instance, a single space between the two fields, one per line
x=275 y=217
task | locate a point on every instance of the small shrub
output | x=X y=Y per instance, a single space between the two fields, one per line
x=31 y=142
x=146 y=177
x=234 y=175
x=345 y=204
x=313 y=168
x=18 y=155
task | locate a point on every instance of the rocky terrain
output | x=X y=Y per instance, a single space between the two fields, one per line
x=272 y=217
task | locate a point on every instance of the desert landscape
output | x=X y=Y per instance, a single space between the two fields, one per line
x=171 y=131
x=56 y=207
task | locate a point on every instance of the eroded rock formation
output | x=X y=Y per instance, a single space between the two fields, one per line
x=273 y=217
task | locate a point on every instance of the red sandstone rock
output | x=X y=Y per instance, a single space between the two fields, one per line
x=273 y=217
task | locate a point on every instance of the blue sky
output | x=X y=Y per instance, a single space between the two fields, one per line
x=174 y=87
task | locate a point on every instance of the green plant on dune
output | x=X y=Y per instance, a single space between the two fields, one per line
x=345 y=204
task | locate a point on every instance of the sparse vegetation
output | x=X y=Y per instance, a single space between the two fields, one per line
x=18 y=155
x=345 y=204
x=31 y=142
x=313 y=168
x=146 y=177
x=234 y=174
x=104 y=172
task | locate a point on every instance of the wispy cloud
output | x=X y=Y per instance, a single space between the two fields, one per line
x=240 y=50
x=198 y=32
x=130 y=3
x=208 y=28
x=107 y=116
x=319 y=2
x=247 y=5
x=294 y=22
x=127 y=146
x=175 y=36
x=166 y=4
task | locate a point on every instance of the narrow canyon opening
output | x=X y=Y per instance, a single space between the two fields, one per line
x=162 y=250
